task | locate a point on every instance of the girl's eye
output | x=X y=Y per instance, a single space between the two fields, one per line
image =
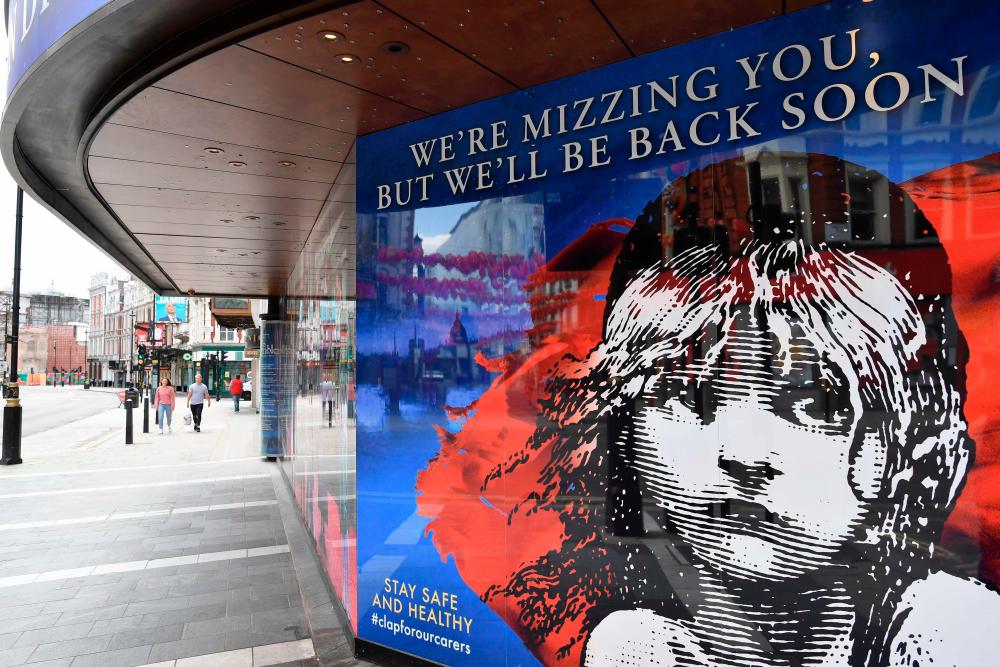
x=682 y=399
x=686 y=396
x=680 y=410
x=809 y=412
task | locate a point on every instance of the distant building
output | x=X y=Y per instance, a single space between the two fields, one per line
x=32 y=350
x=66 y=348
x=63 y=319
x=41 y=310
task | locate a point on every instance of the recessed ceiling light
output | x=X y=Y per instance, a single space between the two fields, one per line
x=280 y=224
x=286 y=163
x=225 y=220
x=237 y=163
x=252 y=217
x=214 y=150
x=330 y=37
x=348 y=58
x=396 y=48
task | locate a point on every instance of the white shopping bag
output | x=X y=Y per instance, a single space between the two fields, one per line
x=187 y=418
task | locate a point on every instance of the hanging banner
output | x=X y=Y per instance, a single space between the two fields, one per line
x=277 y=360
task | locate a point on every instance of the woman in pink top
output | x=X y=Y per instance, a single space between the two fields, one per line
x=164 y=403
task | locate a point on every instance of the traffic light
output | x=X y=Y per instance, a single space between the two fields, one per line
x=142 y=354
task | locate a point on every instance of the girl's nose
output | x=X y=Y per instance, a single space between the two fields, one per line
x=752 y=477
x=746 y=447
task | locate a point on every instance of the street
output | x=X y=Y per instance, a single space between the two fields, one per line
x=45 y=408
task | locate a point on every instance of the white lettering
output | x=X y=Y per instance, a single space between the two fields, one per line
x=533 y=131
x=656 y=90
x=639 y=137
x=752 y=72
x=904 y=91
x=956 y=86
x=849 y=101
x=384 y=198
x=739 y=121
x=694 y=129
x=779 y=71
x=828 y=51
x=712 y=89
x=422 y=151
x=580 y=125
x=572 y=156
x=615 y=96
x=458 y=179
x=799 y=114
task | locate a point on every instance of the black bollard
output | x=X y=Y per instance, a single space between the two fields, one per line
x=11 y=434
x=145 y=415
x=128 y=422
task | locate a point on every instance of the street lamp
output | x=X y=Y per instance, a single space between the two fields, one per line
x=12 y=409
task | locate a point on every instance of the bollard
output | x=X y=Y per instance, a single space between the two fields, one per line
x=128 y=422
x=145 y=415
x=11 y=426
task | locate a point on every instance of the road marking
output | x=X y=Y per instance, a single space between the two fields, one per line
x=258 y=656
x=146 y=485
x=100 y=518
x=135 y=565
x=129 y=468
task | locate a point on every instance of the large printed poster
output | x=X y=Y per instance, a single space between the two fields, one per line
x=690 y=360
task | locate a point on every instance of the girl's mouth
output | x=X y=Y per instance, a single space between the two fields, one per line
x=745 y=514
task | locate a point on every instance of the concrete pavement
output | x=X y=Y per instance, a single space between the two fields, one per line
x=181 y=550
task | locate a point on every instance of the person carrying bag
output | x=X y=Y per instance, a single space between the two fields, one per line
x=163 y=403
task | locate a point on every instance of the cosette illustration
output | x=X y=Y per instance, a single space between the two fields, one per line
x=754 y=462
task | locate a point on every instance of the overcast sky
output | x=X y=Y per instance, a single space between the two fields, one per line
x=53 y=254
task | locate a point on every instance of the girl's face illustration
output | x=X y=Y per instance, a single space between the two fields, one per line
x=752 y=463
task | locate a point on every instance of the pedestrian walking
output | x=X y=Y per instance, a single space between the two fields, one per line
x=198 y=398
x=163 y=403
x=236 y=391
x=326 y=395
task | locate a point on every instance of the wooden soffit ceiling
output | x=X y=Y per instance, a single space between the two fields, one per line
x=238 y=167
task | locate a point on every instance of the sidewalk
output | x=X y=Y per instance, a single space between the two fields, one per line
x=172 y=551
x=99 y=441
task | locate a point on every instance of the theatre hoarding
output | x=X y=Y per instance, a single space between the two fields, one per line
x=694 y=366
